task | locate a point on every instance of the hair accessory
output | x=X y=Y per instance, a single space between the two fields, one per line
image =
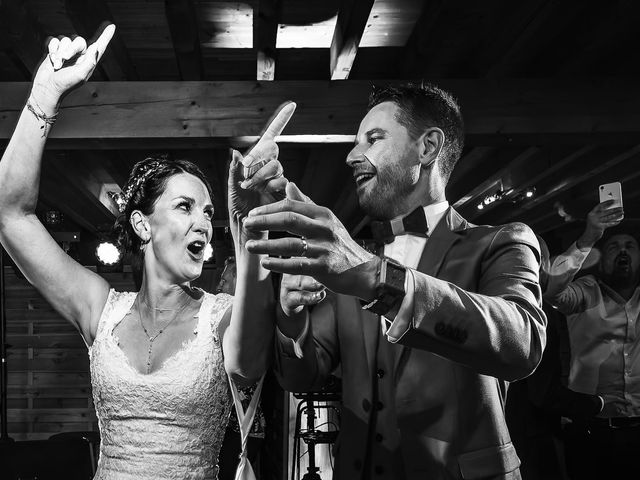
x=119 y=200
x=122 y=199
x=48 y=120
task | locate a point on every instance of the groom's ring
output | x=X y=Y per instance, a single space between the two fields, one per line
x=252 y=169
x=305 y=246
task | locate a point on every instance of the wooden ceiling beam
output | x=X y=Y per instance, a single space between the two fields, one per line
x=21 y=34
x=183 y=25
x=526 y=171
x=592 y=164
x=509 y=111
x=265 y=34
x=514 y=31
x=350 y=25
x=415 y=52
x=505 y=179
x=587 y=196
x=63 y=189
x=89 y=17
x=621 y=20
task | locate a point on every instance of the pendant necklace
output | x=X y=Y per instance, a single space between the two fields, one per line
x=151 y=338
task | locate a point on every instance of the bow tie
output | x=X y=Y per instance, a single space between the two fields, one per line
x=415 y=223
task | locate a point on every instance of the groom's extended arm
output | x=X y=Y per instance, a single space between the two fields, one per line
x=503 y=319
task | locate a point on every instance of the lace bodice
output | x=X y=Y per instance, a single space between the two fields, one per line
x=169 y=423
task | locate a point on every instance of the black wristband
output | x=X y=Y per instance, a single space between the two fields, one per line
x=389 y=287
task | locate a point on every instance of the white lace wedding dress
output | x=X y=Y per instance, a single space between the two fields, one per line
x=169 y=423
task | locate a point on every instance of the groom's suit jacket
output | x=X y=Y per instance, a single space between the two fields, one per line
x=432 y=405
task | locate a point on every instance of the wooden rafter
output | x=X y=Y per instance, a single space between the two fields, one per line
x=20 y=32
x=593 y=163
x=586 y=195
x=88 y=17
x=265 y=33
x=507 y=178
x=183 y=24
x=352 y=20
x=202 y=114
x=65 y=190
x=621 y=19
x=415 y=52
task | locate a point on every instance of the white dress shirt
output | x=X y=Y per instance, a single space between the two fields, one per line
x=405 y=249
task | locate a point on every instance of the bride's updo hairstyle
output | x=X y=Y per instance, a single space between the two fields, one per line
x=146 y=184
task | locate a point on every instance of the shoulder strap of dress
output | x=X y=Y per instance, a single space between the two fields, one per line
x=245 y=421
x=117 y=305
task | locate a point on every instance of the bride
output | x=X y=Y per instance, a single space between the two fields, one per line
x=160 y=357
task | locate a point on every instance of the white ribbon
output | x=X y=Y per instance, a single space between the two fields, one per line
x=245 y=420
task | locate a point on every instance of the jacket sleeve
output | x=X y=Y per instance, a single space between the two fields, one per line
x=498 y=330
x=320 y=354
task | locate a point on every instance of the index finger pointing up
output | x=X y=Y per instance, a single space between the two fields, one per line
x=103 y=40
x=275 y=126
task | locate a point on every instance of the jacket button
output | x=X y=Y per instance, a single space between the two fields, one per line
x=366 y=405
x=380 y=373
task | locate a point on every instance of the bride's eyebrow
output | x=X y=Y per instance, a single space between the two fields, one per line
x=185 y=197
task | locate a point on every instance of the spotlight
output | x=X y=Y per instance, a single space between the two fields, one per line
x=480 y=206
x=530 y=192
x=107 y=253
x=208 y=252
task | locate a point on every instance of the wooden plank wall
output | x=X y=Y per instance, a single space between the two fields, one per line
x=49 y=387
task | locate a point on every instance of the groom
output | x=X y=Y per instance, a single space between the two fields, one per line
x=428 y=334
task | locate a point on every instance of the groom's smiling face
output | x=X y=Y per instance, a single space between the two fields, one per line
x=385 y=162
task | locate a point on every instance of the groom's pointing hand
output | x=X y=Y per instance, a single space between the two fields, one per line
x=326 y=251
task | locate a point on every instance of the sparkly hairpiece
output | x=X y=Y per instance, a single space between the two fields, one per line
x=122 y=199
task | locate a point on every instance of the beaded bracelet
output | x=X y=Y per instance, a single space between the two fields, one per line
x=48 y=120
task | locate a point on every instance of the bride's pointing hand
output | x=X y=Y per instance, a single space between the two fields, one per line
x=255 y=178
x=68 y=64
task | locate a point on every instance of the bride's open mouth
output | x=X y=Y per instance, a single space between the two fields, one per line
x=196 y=249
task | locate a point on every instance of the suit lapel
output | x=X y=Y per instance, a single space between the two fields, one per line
x=445 y=235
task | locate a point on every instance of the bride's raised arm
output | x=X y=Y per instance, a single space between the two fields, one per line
x=253 y=181
x=77 y=293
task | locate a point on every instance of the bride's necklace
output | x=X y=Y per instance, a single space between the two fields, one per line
x=151 y=338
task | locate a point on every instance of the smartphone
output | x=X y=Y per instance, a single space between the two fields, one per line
x=611 y=191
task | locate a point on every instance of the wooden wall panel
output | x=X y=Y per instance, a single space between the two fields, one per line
x=49 y=387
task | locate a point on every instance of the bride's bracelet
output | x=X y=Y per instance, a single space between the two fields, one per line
x=48 y=120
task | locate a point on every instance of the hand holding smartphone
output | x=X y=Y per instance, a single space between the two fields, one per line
x=611 y=191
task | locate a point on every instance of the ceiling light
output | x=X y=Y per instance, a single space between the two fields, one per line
x=107 y=253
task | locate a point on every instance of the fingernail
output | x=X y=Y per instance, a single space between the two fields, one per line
x=254 y=212
x=245 y=184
